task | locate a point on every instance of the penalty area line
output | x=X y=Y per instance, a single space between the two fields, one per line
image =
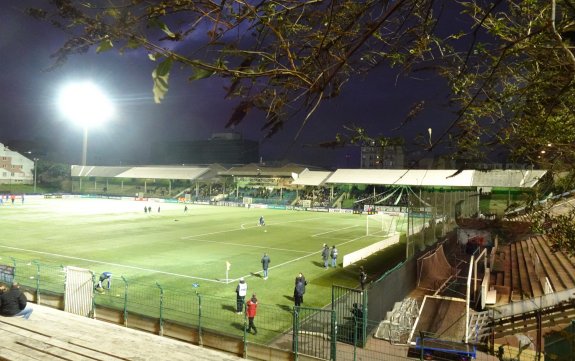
x=335 y=230
x=243 y=226
x=111 y=264
x=249 y=246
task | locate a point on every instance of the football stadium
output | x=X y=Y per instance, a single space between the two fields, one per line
x=162 y=250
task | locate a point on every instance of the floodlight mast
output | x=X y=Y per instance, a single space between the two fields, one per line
x=85 y=146
x=84 y=103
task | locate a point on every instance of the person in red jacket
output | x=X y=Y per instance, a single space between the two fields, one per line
x=251 y=308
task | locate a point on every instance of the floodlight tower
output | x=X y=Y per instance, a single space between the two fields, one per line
x=84 y=103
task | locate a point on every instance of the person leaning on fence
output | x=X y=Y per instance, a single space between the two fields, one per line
x=241 y=291
x=13 y=303
x=105 y=276
x=251 y=309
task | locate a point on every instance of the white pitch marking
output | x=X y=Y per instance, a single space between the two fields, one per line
x=242 y=227
x=111 y=264
x=295 y=259
x=335 y=230
x=249 y=246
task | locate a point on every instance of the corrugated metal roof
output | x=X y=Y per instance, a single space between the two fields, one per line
x=97 y=171
x=516 y=178
x=139 y=172
x=164 y=172
x=410 y=177
x=311 y=178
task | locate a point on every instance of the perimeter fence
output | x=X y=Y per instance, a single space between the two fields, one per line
x=283 y=332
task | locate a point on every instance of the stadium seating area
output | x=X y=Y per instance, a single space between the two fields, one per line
x=51 y=334
x=522 y=267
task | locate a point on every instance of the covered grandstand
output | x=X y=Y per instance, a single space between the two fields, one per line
x=302 y=180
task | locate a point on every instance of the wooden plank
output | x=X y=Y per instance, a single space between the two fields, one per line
x=48 y=349
x=515 y=280
x=566 y=269
x=507 y=267
x=533 y=278
x=30 y=352
x=525 y=286
x=11 y=355
x=551 y=268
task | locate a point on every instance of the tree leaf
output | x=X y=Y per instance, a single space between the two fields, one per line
x=160 y=76
x=200 y=74
x=104 y=45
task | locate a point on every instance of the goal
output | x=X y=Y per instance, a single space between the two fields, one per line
x=380 y=224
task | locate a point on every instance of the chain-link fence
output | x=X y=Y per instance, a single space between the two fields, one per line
x=303 y=332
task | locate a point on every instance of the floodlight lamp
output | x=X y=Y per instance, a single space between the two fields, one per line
x=84 y=103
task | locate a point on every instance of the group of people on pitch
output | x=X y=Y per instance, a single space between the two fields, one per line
x=326 y=253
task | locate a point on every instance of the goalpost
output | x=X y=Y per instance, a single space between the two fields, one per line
x=382 y=223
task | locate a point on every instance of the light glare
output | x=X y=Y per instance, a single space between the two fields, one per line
x=84 y=103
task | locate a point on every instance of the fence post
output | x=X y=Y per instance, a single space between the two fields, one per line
x=200 y=340
x=355 y=324
x=161 y=309
x=14 y=271
x=295 y=332
x=93 y=315
x=125 y=301
x=245 y=353
x=37 y=281
x=422 y=353
x=333 y=348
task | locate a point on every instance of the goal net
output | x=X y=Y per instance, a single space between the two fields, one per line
x=382 y=224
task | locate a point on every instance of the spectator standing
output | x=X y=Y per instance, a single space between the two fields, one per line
x=325 y=255
x=13 y=303
x=301 y=277
x=357 y=313
x=362 y=277
x=251 y=309
x=333 y=254
x=298 y=292
x=241 y=291
x=265 y=264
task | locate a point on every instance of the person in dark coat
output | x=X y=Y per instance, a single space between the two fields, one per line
x=265 y=264
x=301 y=277
x=362 y=277
x=325 y=255
x=298 y=293
x=13 y=303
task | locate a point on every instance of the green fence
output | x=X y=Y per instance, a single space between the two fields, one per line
x=298 y=331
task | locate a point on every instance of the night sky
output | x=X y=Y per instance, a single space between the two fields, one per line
x=190 y=111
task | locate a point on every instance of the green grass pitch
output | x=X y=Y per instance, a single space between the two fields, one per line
x=178 y=249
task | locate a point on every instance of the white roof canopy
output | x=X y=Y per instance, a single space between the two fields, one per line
x=514 y=178
x=310 y=178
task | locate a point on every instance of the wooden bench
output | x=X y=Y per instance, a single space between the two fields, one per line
x=52 y=334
